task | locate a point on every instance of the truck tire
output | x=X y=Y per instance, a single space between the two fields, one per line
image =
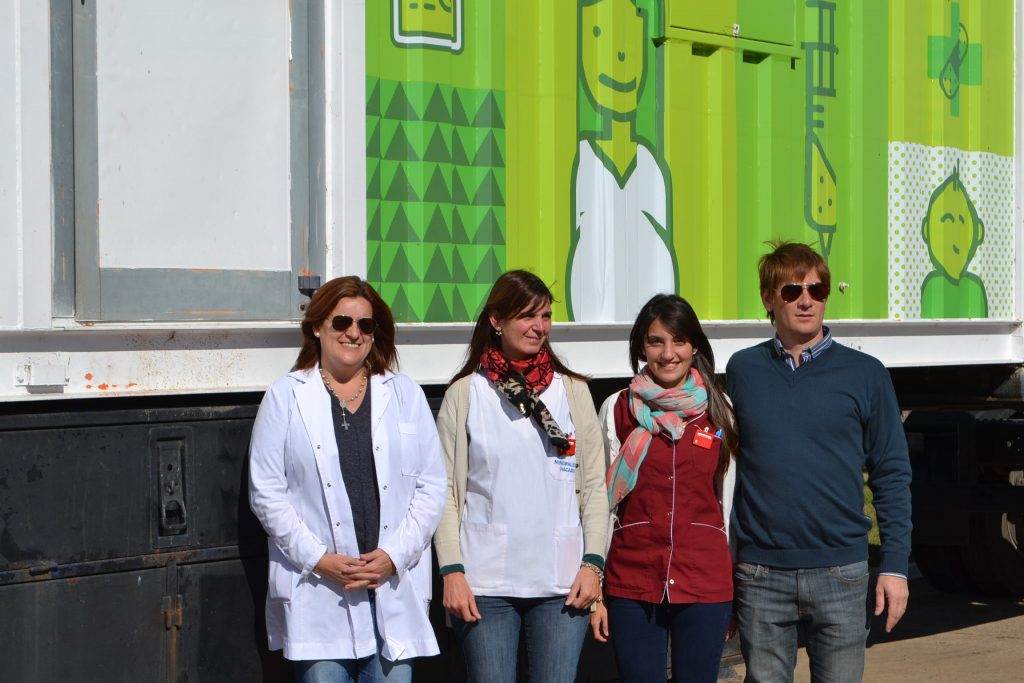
x=943 y=567
x=995 y=559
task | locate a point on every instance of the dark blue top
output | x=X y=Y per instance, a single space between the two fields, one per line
x=358 y=471
x=806 y=437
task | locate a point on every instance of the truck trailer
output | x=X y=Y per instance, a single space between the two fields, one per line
x=176 y=179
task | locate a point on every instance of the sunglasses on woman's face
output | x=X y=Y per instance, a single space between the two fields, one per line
x=792 y=291
x=343 y=322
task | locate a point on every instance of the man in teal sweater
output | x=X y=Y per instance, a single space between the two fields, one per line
x=813 y=414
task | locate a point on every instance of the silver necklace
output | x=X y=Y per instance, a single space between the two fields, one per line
x=341 y=401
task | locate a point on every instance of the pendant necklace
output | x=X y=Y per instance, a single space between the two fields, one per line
x=341 y=401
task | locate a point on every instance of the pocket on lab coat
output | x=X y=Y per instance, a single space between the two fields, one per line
x=484 y=551
x=568 y=555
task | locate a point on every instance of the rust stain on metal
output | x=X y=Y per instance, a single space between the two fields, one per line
x=103 y=387
x=305 y=272
x=88 y=386
x=130 y=385
x=88 y=375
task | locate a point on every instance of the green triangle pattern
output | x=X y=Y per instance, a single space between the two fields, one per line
x=437 y=190
x=489 y=114
x=489 y=269
x=437 y=149
x=438 y=310
x=489 y=153
x=373 y=227
x=436 y=156
x=489 y=192
x=459 y=272
x=373 y=143
x=437 y=108
x=373 y=273
x=437 y=229
x=401 y=189
x=402 y=308
x=438 y=270
x=400 y=109
x=459 y=234
x=400 y=149
x=489 y=230
x=373 y=99
x=401 y=229
x=401 y=270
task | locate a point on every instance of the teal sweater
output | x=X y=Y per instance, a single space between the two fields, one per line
x=805 y=438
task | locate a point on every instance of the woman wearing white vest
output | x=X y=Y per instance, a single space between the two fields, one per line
x=346 y=476
x=522 y=539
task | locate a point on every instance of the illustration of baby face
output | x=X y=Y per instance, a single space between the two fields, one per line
x=952 y=230
x=612 y=49
x=428 y=17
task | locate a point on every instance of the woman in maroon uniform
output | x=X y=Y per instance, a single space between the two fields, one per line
x=670 y=436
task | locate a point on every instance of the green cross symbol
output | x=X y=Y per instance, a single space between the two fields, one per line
x=954 y=60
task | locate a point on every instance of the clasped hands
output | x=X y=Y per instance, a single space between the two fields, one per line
x=369 y=570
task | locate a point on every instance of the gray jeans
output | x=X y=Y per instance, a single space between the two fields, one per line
x=829 y=605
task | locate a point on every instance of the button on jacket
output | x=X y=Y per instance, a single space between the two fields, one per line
x=670 y=539
x=297 y=492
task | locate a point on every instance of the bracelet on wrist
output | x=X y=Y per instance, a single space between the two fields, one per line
x=594 y=568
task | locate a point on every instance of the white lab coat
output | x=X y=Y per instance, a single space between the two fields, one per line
x=297 y=492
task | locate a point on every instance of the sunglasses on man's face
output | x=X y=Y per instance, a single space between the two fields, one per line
x=792 y=291
x=343 y=322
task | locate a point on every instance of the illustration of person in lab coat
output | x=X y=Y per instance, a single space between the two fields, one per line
x=621 y=250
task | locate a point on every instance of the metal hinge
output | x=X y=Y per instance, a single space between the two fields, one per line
x=172 y=611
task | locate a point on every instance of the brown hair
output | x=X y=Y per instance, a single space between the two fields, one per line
x=383 y=354
x=512 y=292
x=789 y=260
x=676 y=314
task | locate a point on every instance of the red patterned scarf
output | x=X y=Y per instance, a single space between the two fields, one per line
x=522 y=383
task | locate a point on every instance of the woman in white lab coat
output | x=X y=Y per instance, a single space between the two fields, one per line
x=346 y=476
x=522 y=539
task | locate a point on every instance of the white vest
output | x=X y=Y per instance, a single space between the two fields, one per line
x=521 y=534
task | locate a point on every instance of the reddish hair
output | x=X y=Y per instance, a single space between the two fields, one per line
x=383 y=354
x=789 y=260
x=512 y=292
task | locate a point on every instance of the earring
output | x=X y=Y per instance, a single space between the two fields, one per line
x=316 y=334
x=497 y=332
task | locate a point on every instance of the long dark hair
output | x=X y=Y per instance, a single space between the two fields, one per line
x=512 y=293
x=383 y=354
x=676 y=314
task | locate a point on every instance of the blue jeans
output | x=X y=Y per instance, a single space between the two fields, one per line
x=640 y=633
x=828 y=605
x=373 y=669
x=554 y=638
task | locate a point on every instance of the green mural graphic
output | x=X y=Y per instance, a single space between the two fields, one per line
x=437 y=24
x=620 y=183
x=954 y=60
x=436 y=183
x=820 y=191
x=953 y=231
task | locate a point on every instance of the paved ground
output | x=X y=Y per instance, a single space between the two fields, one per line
x=943 y=638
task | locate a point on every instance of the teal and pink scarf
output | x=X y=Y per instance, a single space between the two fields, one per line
x=657 y=410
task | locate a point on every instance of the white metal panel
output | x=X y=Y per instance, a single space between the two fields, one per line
x=25 y=216
x=112 y=359
x=192 y=104
x=345 y=41
x=10 y=172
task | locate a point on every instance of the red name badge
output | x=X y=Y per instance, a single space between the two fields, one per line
x=571 y=449
x=703 y=439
